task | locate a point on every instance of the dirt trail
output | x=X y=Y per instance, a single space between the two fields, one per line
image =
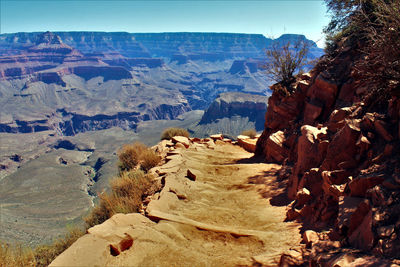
x=220 y=219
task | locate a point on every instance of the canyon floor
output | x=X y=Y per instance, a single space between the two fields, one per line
x=221 y=216
x=52 y=187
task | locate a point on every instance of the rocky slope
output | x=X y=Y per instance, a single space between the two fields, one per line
x=339 y=154
x=232 y=113
x=213 y=209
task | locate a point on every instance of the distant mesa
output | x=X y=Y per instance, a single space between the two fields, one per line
x=243 y=66
x=231 y=113
x=49 y=42
x=48 y=38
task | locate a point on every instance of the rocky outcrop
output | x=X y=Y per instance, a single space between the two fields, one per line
x=231 y=113
x=237 y=104
x=339 y=157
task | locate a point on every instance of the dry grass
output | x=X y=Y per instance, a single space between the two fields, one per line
x=19 y=255
x=133 y=155
x=45 y=254
x=171 y=132
x=127 y=192
x=250 y=133
x=125 y=197
x=16 y=255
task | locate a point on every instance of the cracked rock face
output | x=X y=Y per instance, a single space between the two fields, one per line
x=334 y=146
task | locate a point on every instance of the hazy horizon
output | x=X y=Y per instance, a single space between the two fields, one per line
x=269 y=18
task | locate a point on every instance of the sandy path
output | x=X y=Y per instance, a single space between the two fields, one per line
x=220 y=219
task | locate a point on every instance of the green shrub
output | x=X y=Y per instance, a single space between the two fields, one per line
x=250 y=133
x=171 y=132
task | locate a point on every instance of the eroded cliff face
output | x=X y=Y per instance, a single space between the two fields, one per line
x=340 y=157
x=231 y=113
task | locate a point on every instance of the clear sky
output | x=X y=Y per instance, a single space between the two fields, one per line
x=269 y=17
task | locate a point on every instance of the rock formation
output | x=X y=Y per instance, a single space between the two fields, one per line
x=231 y=113
x=208 y=212
x=339 y=154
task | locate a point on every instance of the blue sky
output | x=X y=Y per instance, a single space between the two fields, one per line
x=269 y=17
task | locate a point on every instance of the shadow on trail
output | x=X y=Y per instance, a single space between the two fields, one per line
x=251 y=160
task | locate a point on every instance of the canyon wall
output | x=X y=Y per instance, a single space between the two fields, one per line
x=339 y=149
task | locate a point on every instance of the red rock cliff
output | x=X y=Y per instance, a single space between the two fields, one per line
x=340 y=156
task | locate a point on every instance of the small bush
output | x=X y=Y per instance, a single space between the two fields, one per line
x=125 y=197
x=16 y=255
x=149 y=159
x=171 y=132
x=250 y=133
x=45 y=254
x=133 y=155
x=284 y=61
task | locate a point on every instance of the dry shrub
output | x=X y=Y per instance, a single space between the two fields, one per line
x=45 y=254
x=16 y=255
x=171 y=132
x=129 y=156
x=284 y=61
x=250 y=133
x=125 y=197
x=149 y=159
x=132 y=155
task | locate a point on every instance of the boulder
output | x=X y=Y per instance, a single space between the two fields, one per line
x=352 y=211
x=291 y=258
x=380 y=196
x=275 y=151
x=308 y=155
x=303 y=86
x=217 y=137
x=292 y=214
x=336 y=119
x=312 y=180
x=380 y=127
x=180 y=145
x=181 y=139
x=359 y=186
x=312 y=111
x=343 y=147
x=326 y=84
x=249 y=144
x=325 y=90
x=310 y=237
x=191 y=175
x=363 y=237
x=364 y=144
x=302 y=196
x=346 y=93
